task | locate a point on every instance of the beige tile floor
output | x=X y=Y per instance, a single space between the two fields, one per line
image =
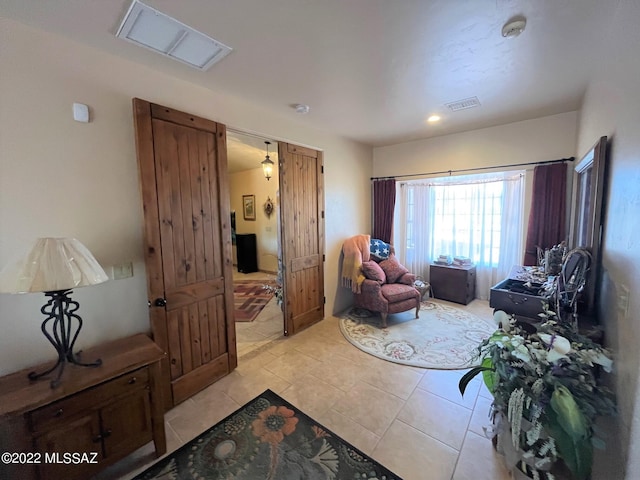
x=411 y=420
x=267 y=326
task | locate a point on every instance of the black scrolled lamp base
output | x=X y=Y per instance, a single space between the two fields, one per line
x=58 y=329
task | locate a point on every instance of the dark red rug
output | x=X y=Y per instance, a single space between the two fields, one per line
x=249 y=298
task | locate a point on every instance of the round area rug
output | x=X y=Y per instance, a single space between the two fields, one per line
x=443 y=337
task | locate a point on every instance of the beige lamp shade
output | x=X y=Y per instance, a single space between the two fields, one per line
x=52 y=264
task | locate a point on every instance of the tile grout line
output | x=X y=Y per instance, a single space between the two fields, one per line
x=464 y=438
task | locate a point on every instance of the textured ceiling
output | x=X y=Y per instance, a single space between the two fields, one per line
x=371 y=70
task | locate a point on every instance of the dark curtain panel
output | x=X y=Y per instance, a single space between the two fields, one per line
x=384 y=201
x=548 y=206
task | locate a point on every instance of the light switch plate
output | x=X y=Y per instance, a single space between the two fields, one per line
x=623 y=300
x=124 y=270
x=80 y=112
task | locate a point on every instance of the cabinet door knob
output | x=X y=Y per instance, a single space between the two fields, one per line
x=102 y=435
x=58 y=413
x=132 y=380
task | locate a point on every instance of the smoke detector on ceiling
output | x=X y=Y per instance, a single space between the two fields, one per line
x=514 y=27
x=301 y=108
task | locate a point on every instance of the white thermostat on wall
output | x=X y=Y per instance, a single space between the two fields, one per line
x=80 y=112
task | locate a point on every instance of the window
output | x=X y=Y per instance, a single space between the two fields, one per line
x=474 y=216
x=467 y=220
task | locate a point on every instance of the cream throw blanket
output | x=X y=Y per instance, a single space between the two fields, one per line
x=355 y=251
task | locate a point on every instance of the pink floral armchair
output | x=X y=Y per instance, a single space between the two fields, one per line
x=387 y=288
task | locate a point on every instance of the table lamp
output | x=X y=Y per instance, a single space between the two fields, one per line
x=54 y=266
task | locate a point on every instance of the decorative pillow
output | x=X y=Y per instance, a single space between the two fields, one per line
x=393 y=269
x=372 y=271
x=380 y=250
x=407 y=279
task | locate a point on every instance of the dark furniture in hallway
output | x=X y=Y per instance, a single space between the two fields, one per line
x=246 y=250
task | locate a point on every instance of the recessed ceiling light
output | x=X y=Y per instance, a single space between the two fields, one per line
x=301 y=108
x=433 y=119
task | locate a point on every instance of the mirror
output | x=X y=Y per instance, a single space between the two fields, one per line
x=587 y=219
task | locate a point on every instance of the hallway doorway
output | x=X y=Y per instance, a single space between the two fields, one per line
x=259 y=261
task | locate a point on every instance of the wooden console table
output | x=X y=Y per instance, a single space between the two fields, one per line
x=105 y=412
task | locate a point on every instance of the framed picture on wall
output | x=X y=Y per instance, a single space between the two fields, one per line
x=249 y=207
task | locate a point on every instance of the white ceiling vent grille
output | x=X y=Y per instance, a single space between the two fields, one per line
x=463 y=104
x=161 y=33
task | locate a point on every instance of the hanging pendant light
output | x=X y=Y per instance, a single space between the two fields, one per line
x=267 y=164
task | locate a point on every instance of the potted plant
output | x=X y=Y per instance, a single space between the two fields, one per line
x=544 y=381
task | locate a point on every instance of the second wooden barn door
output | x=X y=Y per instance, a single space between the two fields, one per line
x=302 y=220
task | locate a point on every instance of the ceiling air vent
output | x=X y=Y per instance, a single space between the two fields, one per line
x=463 y=104
x=163 y=34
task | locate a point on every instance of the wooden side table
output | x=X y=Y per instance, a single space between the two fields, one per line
x=423 y=287
x=453 y=283
x=105 y=412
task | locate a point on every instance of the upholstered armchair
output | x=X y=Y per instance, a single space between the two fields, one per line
x=387 y=288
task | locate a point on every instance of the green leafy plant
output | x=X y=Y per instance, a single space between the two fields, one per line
x=545 y=385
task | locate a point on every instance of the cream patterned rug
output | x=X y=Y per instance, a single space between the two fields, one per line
x=443 y=337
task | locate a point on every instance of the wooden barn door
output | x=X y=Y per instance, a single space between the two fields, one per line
x=183 y=175
x=302 y=223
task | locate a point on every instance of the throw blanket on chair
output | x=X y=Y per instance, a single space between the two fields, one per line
x=355 y=251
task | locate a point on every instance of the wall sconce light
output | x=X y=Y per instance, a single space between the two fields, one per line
x=267 y=163
x=54 y=266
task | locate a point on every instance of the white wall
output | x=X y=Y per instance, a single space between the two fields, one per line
x=546 y=138
x=612 y=107
x=63 y=178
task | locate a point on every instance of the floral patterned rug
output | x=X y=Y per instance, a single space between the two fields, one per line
x=443 y=337
x=267 y=439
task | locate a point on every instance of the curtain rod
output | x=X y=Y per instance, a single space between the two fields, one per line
x=546 y=162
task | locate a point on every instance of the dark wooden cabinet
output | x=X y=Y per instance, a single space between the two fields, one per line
x=246 y=248
x=106 y=412
x=453 y=283
x=126 y=424
x=76 y=435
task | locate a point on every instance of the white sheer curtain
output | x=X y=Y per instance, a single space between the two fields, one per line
x=475 y=216
x=412 y=218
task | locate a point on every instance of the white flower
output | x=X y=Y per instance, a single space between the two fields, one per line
x=601 y=359
x=558 y=346
x=502 y=319
x=521 y=353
